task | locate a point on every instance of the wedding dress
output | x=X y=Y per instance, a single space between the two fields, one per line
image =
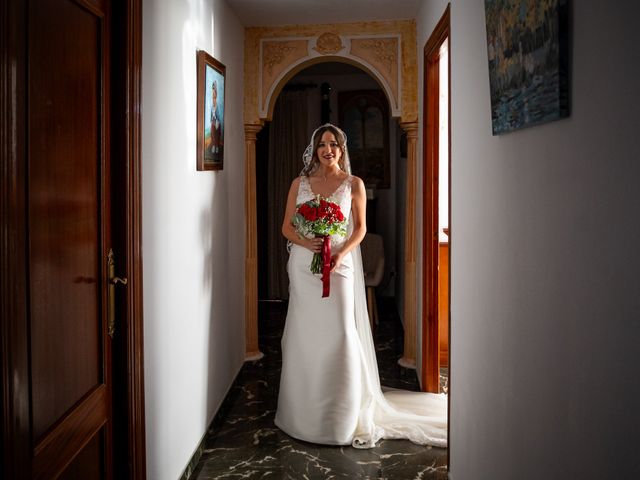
x=330 y=390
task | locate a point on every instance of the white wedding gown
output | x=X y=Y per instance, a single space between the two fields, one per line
x=329 y=386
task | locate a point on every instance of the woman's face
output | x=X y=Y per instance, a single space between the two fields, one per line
x=329 y=151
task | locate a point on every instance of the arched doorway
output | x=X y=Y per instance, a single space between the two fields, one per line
x=345 y=95
x=273 y=56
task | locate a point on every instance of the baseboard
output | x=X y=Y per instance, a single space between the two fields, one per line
x=218 y=418
x=195 y=458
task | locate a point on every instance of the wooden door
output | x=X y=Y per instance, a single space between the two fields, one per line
x=432 y=261
x=69 y=232
x=69 y=137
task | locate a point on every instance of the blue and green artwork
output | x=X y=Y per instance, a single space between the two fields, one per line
x=528 y=62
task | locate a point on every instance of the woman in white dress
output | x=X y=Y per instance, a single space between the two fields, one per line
x=329 y=387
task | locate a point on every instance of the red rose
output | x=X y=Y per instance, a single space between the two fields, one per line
x=308 y=212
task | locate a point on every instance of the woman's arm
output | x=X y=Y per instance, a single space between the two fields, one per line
x=358 y=213
x=288 y=230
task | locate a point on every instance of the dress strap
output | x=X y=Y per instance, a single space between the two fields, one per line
x=304 y=190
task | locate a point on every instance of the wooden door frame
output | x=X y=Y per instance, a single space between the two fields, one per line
x=126 y=65
x=430 y=179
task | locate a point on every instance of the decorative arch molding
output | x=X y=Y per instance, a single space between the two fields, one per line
x=284 y=79
x=283 y=58
x=387 y=50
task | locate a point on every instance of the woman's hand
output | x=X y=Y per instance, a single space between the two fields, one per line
x=336 y=261
x=314 y=244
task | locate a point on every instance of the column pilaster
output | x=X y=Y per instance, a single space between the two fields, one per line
x=252 y=350
x=408 y=358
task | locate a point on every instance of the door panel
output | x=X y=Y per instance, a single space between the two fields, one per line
x=63 y=443
x=88 y=464
x=68 y=225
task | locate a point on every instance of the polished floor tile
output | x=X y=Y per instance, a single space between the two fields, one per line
x=244 y=443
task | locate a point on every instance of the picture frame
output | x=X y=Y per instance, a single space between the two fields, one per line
x=527 y=47
x=211 y=76
x=364 y=117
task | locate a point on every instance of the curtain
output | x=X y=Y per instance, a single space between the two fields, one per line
x=287 y=141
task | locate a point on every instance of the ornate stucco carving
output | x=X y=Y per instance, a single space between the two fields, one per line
x=387 y=50
x=382 y=54
x=328 y=43
x=274 y=53
x=277 y=56
x=381 y=51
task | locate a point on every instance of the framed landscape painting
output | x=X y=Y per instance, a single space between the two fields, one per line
x=210 y=111
x=527 y=45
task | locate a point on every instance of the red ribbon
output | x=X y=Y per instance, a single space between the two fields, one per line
x=326 y=266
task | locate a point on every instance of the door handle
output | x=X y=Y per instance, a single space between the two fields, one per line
x=111 y=293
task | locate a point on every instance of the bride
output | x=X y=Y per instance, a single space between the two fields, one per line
x=330 y=390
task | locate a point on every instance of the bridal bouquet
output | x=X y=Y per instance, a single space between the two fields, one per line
x=322 y=219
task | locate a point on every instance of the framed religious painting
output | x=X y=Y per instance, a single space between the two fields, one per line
x=210 y=111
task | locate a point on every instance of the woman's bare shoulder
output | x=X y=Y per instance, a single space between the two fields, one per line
x=357 y=183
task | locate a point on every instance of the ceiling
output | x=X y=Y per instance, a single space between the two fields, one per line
x=287 y=12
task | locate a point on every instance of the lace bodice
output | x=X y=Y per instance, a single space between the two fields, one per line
x=341 y=196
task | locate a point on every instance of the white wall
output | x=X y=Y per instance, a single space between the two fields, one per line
x=193 y=231
x=545 y=264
